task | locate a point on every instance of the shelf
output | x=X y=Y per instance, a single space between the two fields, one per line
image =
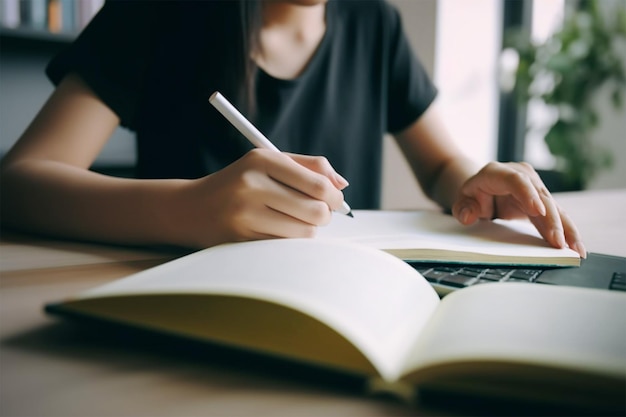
x=36 y=35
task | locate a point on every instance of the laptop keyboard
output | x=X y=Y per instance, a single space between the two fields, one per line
x=618 y=282
x=462 y=276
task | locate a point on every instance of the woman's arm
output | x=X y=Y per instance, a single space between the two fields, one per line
x=498 y=190
x=439 y=165
x=47 y=187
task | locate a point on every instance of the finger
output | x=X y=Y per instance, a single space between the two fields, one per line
x=467 y=210
x=497 y=179
x=550 y=226
x=279 y=225
x=285 y=170
x=572 y=235
x=554 y=223
x=514 y=181
x=259 y=221
x=286 y=200
x=243 y=225
x=545 y=198
x=321 y=165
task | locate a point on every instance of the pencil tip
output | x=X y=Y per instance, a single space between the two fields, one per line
x=350 y=214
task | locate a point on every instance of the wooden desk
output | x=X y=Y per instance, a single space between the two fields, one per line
x=48 y=367
x=600 y=217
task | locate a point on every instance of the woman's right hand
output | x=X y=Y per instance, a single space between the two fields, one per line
x=264 y=194
x=48 y=188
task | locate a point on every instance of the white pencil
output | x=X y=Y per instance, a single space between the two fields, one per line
x=251 y=132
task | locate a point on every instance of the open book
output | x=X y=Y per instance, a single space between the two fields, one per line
x=361 y=310
x=438 y=237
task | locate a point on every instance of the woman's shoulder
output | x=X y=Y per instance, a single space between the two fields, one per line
x=364 y=19
x=367 y=14
x=375 y=9
x=164 y=14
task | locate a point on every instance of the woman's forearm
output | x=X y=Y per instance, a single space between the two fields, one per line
x=262 y=195
x=446 y=185
x=57 y=199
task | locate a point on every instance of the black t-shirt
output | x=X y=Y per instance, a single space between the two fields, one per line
x=156 y=63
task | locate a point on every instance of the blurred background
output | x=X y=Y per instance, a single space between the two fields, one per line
x=534 y=80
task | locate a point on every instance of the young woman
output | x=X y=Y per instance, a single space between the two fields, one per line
x=318 y=78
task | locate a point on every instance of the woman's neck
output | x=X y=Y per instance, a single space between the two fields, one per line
x=290 y=34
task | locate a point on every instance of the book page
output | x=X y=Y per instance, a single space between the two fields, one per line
x=373 y=299
x=434 y=236
x=515 y=337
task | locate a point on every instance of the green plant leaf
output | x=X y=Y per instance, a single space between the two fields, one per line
x=578 y=60
x=560 y=62
x=617 y=99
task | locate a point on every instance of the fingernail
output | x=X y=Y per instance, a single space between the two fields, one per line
x=541 y=208
x=559 y=238
x=580 y=248
x=464 y=214
x=341 y=180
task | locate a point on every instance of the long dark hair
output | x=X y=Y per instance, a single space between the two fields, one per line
x=250 y=14
x=233 y=29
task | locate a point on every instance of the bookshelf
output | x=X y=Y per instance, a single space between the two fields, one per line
x=25 y=49
x=35 y=35
x=61 y=19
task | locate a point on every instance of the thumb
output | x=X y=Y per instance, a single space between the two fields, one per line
x=466 y=210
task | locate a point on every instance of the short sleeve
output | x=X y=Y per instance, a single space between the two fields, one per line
x=111 y=55
x=411 y=90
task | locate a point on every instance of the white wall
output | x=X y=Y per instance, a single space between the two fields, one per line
x=466 y=72
x=400 y=189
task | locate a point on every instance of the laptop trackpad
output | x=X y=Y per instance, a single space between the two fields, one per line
x=594 y=272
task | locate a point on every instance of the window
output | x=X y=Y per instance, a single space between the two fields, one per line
x=547 y=17
x=468 y=43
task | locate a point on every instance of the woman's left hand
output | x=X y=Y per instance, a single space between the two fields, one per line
x=514 y=190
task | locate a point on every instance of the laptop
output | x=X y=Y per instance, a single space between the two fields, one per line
x=600 y=271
